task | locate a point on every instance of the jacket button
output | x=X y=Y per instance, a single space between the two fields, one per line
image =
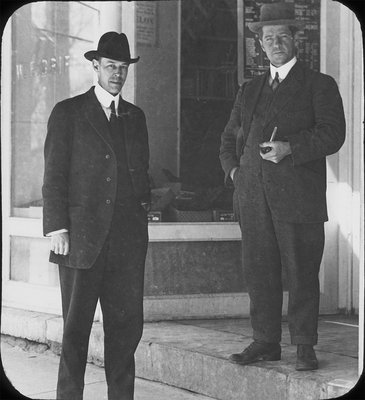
x=108 y=179
x=107 y=201
x=107 y=156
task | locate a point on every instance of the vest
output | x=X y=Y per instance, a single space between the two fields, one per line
x=125 y=192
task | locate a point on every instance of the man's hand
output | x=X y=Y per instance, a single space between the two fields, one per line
x=278 y=151
x=60 y=243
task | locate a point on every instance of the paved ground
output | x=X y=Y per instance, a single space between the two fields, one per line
x=200 y=348
x=190 y=355
x=34 y=375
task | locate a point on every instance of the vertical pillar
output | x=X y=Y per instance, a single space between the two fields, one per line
x=128 y=26
x=178 y=89
x=329 y=64
x=240 y=41
x=6 y=112
x=109 y=20
x=357 y=139
x=357 y=300
x=351 y=172
x=346 y=161
x=110 y=16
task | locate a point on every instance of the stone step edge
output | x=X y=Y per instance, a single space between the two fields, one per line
x=178 y=367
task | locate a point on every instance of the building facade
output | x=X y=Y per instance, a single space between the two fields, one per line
x=194 y=54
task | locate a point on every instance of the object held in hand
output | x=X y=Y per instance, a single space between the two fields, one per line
x=267 y=149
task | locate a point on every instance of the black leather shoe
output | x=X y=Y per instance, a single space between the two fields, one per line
x=257 y=351
x=306 y=358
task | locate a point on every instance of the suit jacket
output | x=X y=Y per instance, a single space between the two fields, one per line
x=80 y=177
x=308 y=111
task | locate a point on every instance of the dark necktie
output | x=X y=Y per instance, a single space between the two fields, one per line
x=114 y=123
x=275 y=83
x=116 y=130
x=113 y=115
x=124 y=184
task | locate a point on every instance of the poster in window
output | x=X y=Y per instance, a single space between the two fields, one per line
x=146 y=16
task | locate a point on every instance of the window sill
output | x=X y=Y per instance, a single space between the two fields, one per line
x=158 y=231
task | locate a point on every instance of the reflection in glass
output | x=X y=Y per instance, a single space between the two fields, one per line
x=48 y=43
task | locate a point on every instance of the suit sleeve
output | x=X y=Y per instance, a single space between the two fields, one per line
x=227 y=151
x=57 y=151
x=328 y=133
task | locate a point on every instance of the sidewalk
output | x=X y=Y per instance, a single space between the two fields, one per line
x=193 y=355
x=41 y=382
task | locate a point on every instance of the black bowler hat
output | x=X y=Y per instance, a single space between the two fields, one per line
x=276 y=14
x=112 y=45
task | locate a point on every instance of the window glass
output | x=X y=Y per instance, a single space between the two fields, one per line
x=29 y=262
x=49 y=40
x=48 y=43
x=186 y=84
x=208 y=88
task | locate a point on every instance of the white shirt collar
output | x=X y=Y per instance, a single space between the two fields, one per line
x=105 y=98
x=282 y=70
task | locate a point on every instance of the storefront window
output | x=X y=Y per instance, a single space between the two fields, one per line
x=186 y=84
x=195 y=97
x=208 y=88
x=48 y=43
x=29 y=262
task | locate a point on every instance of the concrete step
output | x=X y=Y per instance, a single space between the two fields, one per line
x=193 y=355
x=196 y=358
x=34 y=375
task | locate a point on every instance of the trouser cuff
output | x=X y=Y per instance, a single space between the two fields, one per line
x=265 y=338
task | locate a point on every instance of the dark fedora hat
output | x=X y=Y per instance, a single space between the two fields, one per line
x=112 y=45
x=276 y=14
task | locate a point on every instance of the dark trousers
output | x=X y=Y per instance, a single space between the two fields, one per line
x=116 y=278
x=268 y=245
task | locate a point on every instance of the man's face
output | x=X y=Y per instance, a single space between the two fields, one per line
x=111 y=74
x=278 y=44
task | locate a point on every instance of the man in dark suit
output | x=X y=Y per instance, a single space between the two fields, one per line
x=283 y=125
x=96 y=195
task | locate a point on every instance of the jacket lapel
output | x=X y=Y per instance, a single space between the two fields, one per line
x=96 y=117
x=127 y=117
x=251 y=97
x=286 y=92
x=98 y=120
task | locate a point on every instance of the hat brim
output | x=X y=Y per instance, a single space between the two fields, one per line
x=93 y=54
x=256 y=26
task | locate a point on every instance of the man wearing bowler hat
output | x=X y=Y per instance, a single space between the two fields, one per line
x=283 y=125
x=96 y=196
